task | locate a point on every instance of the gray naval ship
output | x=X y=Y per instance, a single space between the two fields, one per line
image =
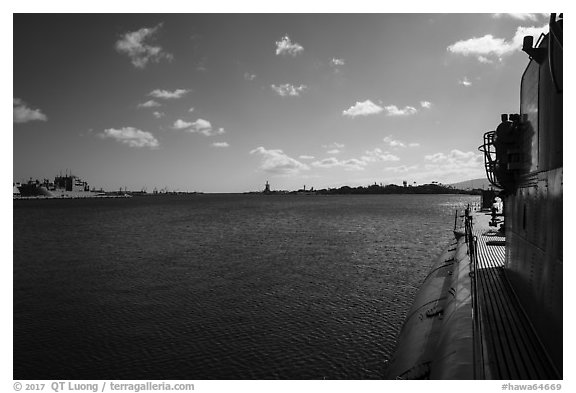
x=68 y=186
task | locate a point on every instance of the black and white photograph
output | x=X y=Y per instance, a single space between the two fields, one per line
x=286 y=196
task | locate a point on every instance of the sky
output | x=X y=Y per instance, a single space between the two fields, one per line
x=226 y=102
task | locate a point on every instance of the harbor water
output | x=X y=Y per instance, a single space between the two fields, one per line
x=219 y=286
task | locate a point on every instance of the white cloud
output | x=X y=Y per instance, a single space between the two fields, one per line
x=369 y=108
x=277 y=162
x=364 y=108
x=393 y=142
x=288 y=90
x=181 y=124
x=327 y=163
x=24 y=114
x=455 y=159
x=220 y=144
x=205 y=127
x=135 y=45
x=334 y=148
x=443 y=167
x=455 y=164
x=211 y=132
x=333 y=162
x=286 y=47
x=149 y=104
x=249 y=77
x=131 y=136
x=200 y=126
x=520 y=16
x=397 y=143
x=465 y=82
x=485 y=45
x=370 y=156
x=426 y=104
x=488 y=45
x=158 y=115
x=377 y=155
x=305 y=157
x=168 y=95
x=393 y=110
x=336 y=62
x=353 y=163
x=191 y=109
x=485 y=60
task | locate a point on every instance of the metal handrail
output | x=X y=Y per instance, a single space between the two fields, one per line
x=472 y=250
x=472 y=242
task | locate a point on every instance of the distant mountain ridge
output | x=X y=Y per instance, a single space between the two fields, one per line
x=481 y=183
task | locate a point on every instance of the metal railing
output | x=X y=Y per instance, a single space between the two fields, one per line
x=472 y=245
x=469 y=235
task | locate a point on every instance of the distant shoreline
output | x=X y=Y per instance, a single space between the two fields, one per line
x=426 y=189
x=434 y=188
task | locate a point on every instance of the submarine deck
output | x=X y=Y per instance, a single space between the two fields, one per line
x=508 y=347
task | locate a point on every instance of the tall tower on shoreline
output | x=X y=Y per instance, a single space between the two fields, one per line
x=267 y=188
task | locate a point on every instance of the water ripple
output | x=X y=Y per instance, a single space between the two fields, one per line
x=219 y=286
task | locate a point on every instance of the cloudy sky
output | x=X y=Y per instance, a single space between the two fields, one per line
x=223 y=103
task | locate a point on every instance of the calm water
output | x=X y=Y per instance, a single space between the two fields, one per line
x=219 y=286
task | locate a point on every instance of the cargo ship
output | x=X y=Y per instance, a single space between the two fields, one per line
x=491 y=307
x=68 y=186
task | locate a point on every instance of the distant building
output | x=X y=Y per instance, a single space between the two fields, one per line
x=267 y=188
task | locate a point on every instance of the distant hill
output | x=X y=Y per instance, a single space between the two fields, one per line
x=481 y=183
